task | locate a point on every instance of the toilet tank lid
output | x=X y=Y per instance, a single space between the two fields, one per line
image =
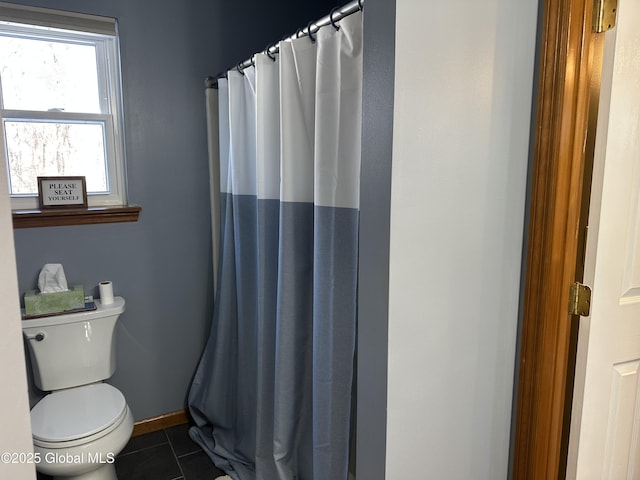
x=77 y=412
x=115 y=308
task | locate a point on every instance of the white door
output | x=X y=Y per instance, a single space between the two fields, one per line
x=605 y=425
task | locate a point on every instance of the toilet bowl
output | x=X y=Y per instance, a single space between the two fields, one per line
x=83 y=423
x=78 y=432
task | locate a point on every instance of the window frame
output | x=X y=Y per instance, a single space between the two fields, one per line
x=110 y=96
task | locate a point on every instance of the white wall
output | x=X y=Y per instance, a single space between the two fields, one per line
x=463 y=94
x=15 y=427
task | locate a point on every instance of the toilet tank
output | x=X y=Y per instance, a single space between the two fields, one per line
x=73 y=349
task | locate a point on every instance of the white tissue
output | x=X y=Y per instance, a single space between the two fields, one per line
x=52 y=279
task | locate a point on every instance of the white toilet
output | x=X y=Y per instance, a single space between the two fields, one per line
x=80 y=426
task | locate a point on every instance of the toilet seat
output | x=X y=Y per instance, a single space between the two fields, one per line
x=77 y=413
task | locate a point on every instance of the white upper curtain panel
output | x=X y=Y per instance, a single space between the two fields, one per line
x=293 y=130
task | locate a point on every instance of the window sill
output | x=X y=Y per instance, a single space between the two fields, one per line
x=75 y=216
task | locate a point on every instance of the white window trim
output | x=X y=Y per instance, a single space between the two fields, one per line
x=98 y=31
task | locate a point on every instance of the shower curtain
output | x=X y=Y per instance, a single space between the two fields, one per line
x=271 y=397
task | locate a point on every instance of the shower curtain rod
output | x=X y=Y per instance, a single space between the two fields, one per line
x=335 y=16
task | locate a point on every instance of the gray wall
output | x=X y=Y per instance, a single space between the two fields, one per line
x=375 y=199
x=161 y=264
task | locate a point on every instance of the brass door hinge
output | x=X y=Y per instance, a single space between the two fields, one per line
x=604 y=15
x=579 y=299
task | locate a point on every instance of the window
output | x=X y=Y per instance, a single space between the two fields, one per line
x=60 y=102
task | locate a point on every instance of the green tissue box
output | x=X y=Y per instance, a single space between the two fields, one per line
x=36 y=303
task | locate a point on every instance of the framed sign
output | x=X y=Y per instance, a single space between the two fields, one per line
x=62 y=192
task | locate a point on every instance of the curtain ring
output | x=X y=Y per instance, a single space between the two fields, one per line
x=239 y=69
x=253 y=60
x=311 y=37
x=333 y=23
x=267 y=51
x=360 y=4
x=299 y=32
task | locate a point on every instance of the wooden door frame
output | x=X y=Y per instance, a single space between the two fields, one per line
x=545 y=367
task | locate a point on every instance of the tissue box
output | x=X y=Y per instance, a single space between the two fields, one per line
x=36 y=303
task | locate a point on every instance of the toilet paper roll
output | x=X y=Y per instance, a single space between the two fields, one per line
x=106 y=293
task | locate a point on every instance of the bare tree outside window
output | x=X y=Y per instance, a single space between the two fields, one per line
x=57 y=78
x=54 y=149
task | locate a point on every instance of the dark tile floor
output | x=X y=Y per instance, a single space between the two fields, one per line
x=167 y=454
